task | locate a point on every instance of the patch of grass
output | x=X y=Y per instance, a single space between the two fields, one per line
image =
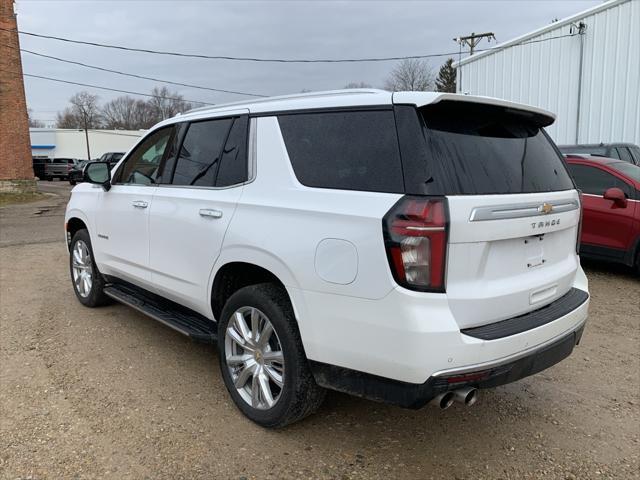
x=13 y=198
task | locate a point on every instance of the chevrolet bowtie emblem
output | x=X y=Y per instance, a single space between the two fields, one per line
x=545 y=208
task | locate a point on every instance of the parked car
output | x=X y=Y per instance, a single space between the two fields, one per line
x=111 y=157
x=75 y=174
x=627 y=152
x=611 y=208
x=407 y=247
x=38 y=164
x=59 y=168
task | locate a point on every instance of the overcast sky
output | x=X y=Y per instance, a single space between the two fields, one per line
x=294 y=29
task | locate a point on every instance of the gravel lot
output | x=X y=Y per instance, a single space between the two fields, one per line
x=109 y=393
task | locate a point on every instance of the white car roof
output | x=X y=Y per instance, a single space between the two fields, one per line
x=343 y=98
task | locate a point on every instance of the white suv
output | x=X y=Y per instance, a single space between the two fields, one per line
x=405 y=247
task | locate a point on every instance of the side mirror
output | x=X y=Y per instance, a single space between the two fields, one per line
x=98 y=173
x=617 y=195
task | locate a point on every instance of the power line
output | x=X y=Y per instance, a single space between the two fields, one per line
x=104 y=69
x=227 y=57
x=108 y=88
x=276 y=60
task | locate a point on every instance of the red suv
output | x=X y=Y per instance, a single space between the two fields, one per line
x=611 y=208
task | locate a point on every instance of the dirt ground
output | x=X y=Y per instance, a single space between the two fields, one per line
x=109 y=393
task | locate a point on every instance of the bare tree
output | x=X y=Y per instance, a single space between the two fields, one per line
x=165 y=103
x=34 y=122
x=127 y=113
x=446 y=81
x=85 y=106
x=411 y=75
x=357 y=85
x=68 y=119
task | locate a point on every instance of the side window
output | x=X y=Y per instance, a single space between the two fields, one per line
x=355 y=150
x=200 y=153
x=169 y=163
x=233 y=166
x=142 y=166
x=624 y=154
x=613 y=153
x=595 y=181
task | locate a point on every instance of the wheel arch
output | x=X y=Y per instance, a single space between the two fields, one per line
x=236 y=274
x=72 y=225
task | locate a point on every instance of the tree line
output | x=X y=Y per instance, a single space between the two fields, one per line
x=124 y=112
x=415 y=75
x=127 y=113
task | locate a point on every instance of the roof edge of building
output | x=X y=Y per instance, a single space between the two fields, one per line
x=540 y=31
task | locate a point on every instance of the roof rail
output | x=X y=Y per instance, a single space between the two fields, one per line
x=327 y=93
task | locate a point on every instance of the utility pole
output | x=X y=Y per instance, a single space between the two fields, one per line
x=579 y=29
x=86 y=133
x=473 y=40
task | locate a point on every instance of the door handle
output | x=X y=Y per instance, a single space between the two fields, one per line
x=209 y=212
x=140 y=204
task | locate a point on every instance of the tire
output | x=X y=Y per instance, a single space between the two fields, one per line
x=72 y=182
x=299 y=395
x=90 y=292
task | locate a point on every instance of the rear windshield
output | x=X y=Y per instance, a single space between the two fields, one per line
x=472 y=149
x=631 y=171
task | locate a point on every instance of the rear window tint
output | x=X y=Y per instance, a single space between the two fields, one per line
x=471 y=149
x=356 y=150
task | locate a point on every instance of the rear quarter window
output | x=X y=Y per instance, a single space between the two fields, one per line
x=353 y=150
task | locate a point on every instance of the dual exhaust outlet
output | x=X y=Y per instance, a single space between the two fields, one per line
x=467 y=395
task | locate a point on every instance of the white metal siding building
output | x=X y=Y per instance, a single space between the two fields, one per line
x=596 y=95
x=71 y=143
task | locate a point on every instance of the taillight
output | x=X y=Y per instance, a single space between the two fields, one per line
x=415 y=236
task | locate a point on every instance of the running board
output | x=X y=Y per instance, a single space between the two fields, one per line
x=177 y=317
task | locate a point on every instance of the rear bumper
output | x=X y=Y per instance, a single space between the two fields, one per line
x=410 y=395
x=411 y=337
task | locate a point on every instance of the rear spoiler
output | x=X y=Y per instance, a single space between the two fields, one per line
x=420 y=99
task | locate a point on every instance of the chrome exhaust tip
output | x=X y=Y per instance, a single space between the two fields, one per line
x=467 y=395
x=444 y=400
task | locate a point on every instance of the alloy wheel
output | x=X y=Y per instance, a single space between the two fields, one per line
x=254 y=358
x=82 y=269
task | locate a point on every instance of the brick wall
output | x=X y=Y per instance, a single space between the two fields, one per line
x=15 y=145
